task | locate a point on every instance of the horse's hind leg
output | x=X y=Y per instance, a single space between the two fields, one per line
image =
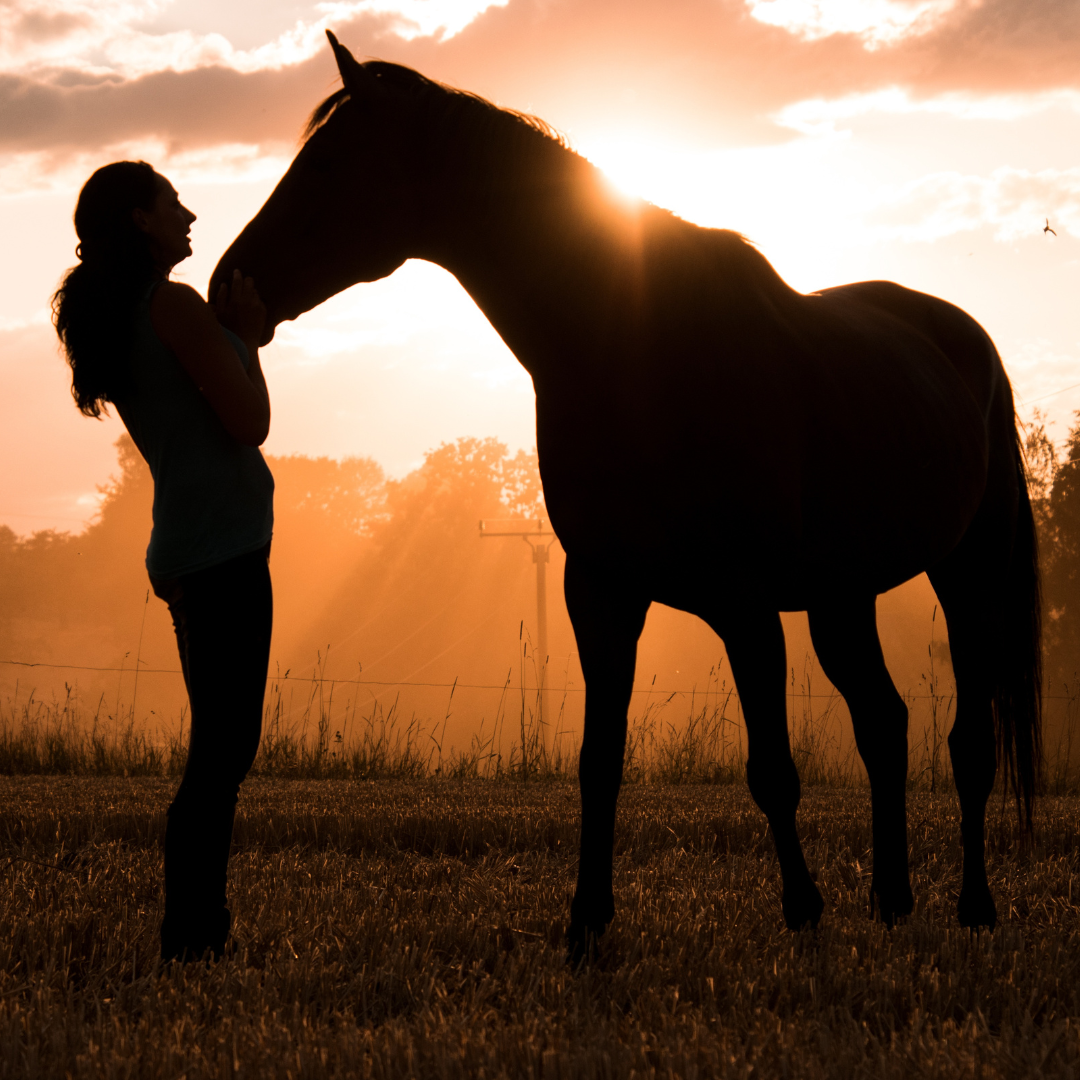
x=846 y=641
x=758 y=658
x=972 y=741
x=607 y=620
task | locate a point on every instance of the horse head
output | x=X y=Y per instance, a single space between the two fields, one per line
x=344 y=211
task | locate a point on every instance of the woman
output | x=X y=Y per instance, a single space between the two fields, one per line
x=187 y=383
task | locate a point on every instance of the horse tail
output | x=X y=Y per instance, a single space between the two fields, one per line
x=1017 y=687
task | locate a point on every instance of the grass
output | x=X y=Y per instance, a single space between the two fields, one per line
x=399 y=910
x=318 y=738
x=413 y=928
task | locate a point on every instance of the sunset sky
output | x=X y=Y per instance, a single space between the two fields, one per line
x=926 y=142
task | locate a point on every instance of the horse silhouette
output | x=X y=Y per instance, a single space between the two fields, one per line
x=795 y=452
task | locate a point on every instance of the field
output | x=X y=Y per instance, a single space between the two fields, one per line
x=412 y=928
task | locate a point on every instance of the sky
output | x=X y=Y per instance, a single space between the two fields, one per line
x=922 y=141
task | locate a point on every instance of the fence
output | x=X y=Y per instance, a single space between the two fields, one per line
x=319 y=726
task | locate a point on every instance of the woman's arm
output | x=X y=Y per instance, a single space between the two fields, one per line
x=188 y=326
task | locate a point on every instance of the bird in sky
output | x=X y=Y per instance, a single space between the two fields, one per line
x=1047 y=229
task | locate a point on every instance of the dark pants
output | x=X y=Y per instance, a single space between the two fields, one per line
x=222 y=617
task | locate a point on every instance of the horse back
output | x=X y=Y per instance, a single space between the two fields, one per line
x=959 y=337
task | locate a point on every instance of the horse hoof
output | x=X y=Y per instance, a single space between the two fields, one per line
x=976 y=908
x=803 y=908
x=582 y=944
x=892 y=904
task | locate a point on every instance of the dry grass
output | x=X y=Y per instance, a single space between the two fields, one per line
x=317 y=738
x=412 y=928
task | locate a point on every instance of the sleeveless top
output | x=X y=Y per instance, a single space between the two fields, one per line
x=213 y=496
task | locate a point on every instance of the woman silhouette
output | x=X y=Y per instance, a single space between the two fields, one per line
x=187 y=383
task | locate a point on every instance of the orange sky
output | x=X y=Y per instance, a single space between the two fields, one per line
x=921 y=141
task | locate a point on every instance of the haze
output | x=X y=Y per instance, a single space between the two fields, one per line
x=927 y=142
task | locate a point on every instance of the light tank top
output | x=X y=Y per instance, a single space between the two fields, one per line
x=213 y=496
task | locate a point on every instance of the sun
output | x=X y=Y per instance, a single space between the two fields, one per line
x=636 y=166
x=788 y=198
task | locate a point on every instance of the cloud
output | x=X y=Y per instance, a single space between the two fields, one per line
x=1013 y=202
x=35 y=27
x=130 y=38
x=705 y=71
x=820 y=116
x=226 y=163
x=440 y=19
x=39 y=318
x=192 y=109
x=679 y=68
x=988 y=46
x=876 y=22
x=1046 y=372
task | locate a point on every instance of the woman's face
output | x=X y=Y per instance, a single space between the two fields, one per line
x=167 y=224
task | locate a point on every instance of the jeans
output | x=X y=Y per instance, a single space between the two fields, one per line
x=222 y=617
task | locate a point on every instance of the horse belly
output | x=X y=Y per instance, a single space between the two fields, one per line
x=856 y=465
x=675 y=506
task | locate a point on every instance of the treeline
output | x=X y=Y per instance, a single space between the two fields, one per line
x=1054 y=483
x=393 y=577
x=388 y=573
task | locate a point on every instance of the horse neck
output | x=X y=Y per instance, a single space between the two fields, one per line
x=538 y=249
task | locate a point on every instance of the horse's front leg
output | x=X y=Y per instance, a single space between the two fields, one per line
x=758 y=658
x=608 y=619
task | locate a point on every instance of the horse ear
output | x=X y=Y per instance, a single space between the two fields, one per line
x=358 y=81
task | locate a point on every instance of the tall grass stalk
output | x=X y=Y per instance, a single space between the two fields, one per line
x=308 y=733
x=64 y=738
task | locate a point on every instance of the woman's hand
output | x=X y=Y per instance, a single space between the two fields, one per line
x=239 y=308
x=188 y=325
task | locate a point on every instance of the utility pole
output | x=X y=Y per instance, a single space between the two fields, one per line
x=536 y=532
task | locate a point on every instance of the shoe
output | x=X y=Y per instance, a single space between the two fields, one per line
x=204 y=937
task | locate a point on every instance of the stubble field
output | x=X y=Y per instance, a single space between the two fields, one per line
x=393 y=929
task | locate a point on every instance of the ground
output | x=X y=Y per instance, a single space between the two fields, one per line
x=392 y=929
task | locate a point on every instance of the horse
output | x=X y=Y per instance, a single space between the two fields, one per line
x=798 y=452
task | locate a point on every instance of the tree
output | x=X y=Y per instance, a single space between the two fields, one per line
x=348 y=495
x=425 y=587
x=343 y=537
x=1060 y=550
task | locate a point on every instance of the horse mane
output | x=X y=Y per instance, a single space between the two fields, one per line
x=419 y=87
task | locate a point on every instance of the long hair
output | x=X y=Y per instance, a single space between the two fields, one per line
x=94 y=307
